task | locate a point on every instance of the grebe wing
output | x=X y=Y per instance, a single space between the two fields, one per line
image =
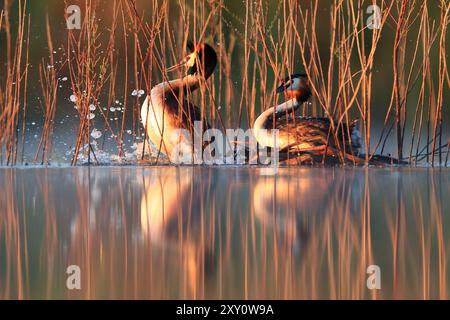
x=304 y=127
x=316 y=131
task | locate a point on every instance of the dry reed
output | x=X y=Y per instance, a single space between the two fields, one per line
x=13 y=85
x=258 y=48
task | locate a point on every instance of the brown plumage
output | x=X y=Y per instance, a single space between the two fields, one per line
x=314 y=140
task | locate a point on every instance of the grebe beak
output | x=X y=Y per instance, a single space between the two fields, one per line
x=175 y=67
x=189 y=62
x=284 y=86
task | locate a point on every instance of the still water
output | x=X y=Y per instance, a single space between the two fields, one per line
x=181 y=232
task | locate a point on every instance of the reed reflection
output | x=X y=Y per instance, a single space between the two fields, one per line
x=168 y=232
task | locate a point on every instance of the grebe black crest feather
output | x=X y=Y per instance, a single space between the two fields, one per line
x=205 y=59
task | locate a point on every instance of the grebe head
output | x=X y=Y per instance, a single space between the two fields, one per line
x=295 y=86
x=202 y=59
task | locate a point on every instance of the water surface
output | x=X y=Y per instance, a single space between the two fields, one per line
x=181 y=232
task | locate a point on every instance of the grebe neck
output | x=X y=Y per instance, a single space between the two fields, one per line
x=263 y=124
x=174 y=87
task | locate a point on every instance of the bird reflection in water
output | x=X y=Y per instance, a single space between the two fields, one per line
x=280 y=204
x=172 y=220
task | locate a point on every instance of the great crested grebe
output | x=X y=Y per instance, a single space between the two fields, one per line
x=166 y=109
x=308 y=138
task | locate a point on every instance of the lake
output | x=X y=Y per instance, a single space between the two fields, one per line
x=170 y=232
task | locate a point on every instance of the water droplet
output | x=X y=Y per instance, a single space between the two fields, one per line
x=96 y=133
